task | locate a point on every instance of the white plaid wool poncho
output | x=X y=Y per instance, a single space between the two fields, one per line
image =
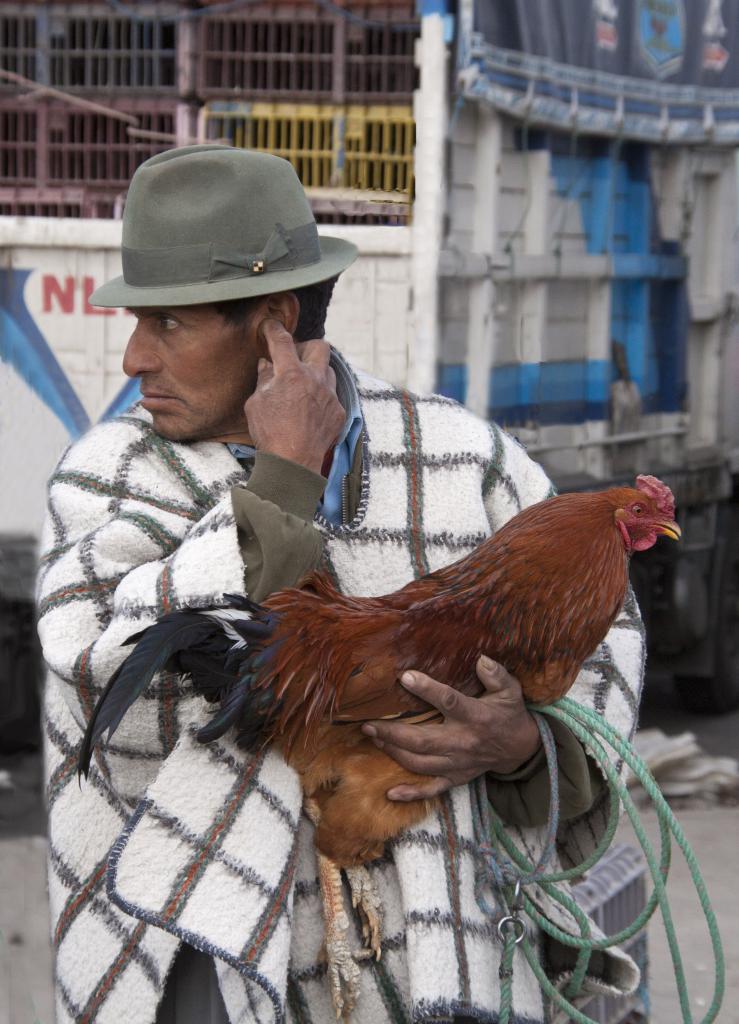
x=170 y=840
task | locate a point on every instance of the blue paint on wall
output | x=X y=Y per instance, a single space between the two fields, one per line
x=126 y=397
x=553 y=392
x=425 y=7
x=451 y=381
x=649 y=312
x=649 y=305
x=24 y=348
x=546 y=393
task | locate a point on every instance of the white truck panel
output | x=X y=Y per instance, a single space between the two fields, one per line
x=56 y=264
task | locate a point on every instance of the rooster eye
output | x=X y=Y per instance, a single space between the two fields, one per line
x=637 y=510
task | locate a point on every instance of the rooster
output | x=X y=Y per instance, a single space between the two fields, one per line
x=306 y=668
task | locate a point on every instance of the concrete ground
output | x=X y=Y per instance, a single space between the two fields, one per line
x=25 y=961
x=714 y=835
x=25 y=954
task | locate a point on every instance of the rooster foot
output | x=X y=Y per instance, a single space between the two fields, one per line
x=366 y=899
x=342 y=965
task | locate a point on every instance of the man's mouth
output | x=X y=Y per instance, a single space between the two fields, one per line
x=153 y=400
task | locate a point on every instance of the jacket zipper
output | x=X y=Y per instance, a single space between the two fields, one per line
x=345 y=500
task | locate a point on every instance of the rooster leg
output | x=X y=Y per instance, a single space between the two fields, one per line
x=366 y=898
x=343 y=970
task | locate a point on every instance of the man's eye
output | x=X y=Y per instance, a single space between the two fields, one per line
x=167 y=323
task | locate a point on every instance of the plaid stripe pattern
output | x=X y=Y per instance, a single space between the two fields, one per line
x=170 y=840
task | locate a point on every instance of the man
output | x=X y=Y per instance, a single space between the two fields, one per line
x=256 y=454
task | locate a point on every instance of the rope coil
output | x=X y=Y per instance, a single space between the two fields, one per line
x=503 y=868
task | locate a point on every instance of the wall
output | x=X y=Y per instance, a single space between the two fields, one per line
x=60 y=357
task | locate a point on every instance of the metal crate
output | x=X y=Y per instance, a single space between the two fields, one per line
x=380 y=60
x=353 y=161
x=98 y=50
x=89 y=47
x=18 y=45
x=60 y=160
x=60 y=202
x=613 y=893
x=84 y=147
x=378 y=148
x=280 y=51
x=18 y=144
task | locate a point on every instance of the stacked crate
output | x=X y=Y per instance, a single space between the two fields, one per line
x=104 y=83
x=330 y=92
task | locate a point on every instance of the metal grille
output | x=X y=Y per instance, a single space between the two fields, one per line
x=613 y=893
x=355 y=160
x=13 y=204
x=276 y=51
x=84 y=147
x=95 y=51
x=267 y=57
x=18 y=44
x=18 y=144
x=379 y=63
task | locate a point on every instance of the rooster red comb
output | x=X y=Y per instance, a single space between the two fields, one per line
x=660 y=494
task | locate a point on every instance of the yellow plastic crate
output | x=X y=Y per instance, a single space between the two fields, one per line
x=378 y=148
x=356 y=147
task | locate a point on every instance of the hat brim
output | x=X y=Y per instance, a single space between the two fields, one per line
x=336 y=255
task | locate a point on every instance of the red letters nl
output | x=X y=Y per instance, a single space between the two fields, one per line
x=59 y=295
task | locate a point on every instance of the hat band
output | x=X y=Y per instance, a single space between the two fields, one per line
x=211 y=261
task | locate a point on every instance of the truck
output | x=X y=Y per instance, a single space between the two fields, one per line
x=586 y=281
x=567 y=267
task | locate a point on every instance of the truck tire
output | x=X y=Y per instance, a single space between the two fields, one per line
x=720 y=693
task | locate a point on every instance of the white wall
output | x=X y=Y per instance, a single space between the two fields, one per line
x=368 y=321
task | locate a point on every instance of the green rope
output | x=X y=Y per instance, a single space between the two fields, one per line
x=598 y=736
x=505 y=974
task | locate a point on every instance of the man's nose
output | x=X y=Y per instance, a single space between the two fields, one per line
x=141 y=353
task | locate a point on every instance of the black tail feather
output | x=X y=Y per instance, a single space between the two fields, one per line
x=242 y=706
x=155 y=648
x=202 y=646
x=232 y=706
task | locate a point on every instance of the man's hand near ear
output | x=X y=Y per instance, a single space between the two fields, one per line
x=294 y=411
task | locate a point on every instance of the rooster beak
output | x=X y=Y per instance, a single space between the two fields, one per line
x=669 y=529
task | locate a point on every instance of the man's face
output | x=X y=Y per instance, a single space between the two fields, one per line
x=196 y=371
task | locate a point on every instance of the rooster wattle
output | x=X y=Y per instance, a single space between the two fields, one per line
x=308 y=666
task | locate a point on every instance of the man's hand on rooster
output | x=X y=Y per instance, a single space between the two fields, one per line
x=490 y=733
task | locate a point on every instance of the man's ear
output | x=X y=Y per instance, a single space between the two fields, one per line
x=285 y=307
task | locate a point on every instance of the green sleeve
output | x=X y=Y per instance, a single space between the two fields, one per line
x=522 y=798
x=274 y=517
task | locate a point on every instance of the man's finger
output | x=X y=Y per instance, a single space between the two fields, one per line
x=280 y=344
x=420 y=739
x=421 y=791
x=315 y=352
x=265 y=371
x=445 y=698
x=496 y=679
x=419 y=763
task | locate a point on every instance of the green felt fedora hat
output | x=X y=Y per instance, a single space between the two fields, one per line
x=210 y=223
